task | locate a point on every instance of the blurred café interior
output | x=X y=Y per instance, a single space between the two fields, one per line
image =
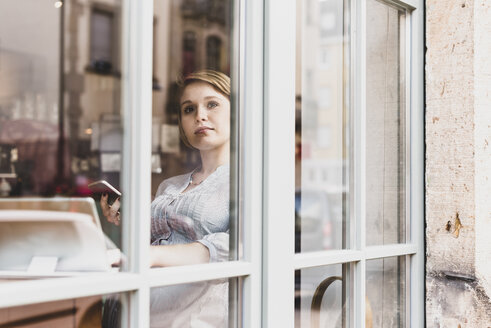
x=60 y=91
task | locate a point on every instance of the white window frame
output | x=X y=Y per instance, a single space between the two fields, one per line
x=280 y=263
x=137 y=17
x=266 y=171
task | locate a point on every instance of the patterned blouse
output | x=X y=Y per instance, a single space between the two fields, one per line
x=200 y=214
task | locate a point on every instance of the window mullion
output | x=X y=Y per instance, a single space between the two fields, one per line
x=15 y=293
x=279 y=164
x=381 y=251
x=416 y=99
x=408 y=102
x=359 y=159
x=251 y=56
x=199 y=272
x=322 y=258
x=137 y=118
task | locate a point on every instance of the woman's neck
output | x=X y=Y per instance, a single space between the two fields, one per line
x=212 y=159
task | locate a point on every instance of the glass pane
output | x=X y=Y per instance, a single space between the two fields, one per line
x=87 y=312
x=192 y=115
x=199 y=304
x=386 y=125
x=386 y=292
x=322 y=125
x=321 y=297
x=60 y=125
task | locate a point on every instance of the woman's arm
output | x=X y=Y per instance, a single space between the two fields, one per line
x=178 y=254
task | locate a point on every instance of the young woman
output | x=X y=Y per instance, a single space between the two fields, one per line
x=190 y=212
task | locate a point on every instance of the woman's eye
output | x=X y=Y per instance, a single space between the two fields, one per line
x=188 y=109
x=212 y=104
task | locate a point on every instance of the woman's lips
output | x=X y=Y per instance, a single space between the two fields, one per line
x=202 y=130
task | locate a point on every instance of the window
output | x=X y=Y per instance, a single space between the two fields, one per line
x=187 y=207
x=102 y=41
x=325 y=182
x=189 y=52
x=213 y=52
x=348 y=236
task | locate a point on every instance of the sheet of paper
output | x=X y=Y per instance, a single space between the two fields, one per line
x=42 y=264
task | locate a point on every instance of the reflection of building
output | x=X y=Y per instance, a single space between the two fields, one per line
x=199 y=37
x=205 y=26
x=323 y=102
x=29 y=91
x=321 y=130
x=188 y=35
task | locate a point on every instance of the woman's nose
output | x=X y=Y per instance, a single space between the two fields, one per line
x=201 y=114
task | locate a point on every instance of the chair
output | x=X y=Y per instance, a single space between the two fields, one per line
x=315 y=307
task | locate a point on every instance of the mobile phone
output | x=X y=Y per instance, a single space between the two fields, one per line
x=103 y=187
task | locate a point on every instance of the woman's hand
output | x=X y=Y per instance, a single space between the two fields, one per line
x=111 y=212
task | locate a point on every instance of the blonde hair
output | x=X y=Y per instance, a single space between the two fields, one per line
x=219 y=81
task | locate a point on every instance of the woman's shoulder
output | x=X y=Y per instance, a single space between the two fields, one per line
x=175 y=182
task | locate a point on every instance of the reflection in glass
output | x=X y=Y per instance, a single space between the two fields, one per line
x=322 y=125
x=200 y=304
x=191 y=194
x=29 y=95
x=321 y=297
x=86 y=312
x=386 y=125
x=386 y=291
x=188 y=37
x=60 y=108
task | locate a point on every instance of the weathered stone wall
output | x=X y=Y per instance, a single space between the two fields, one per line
x=482 y=139
x=458 y=84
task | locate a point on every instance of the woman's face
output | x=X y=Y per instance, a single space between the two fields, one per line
x=205 y=116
